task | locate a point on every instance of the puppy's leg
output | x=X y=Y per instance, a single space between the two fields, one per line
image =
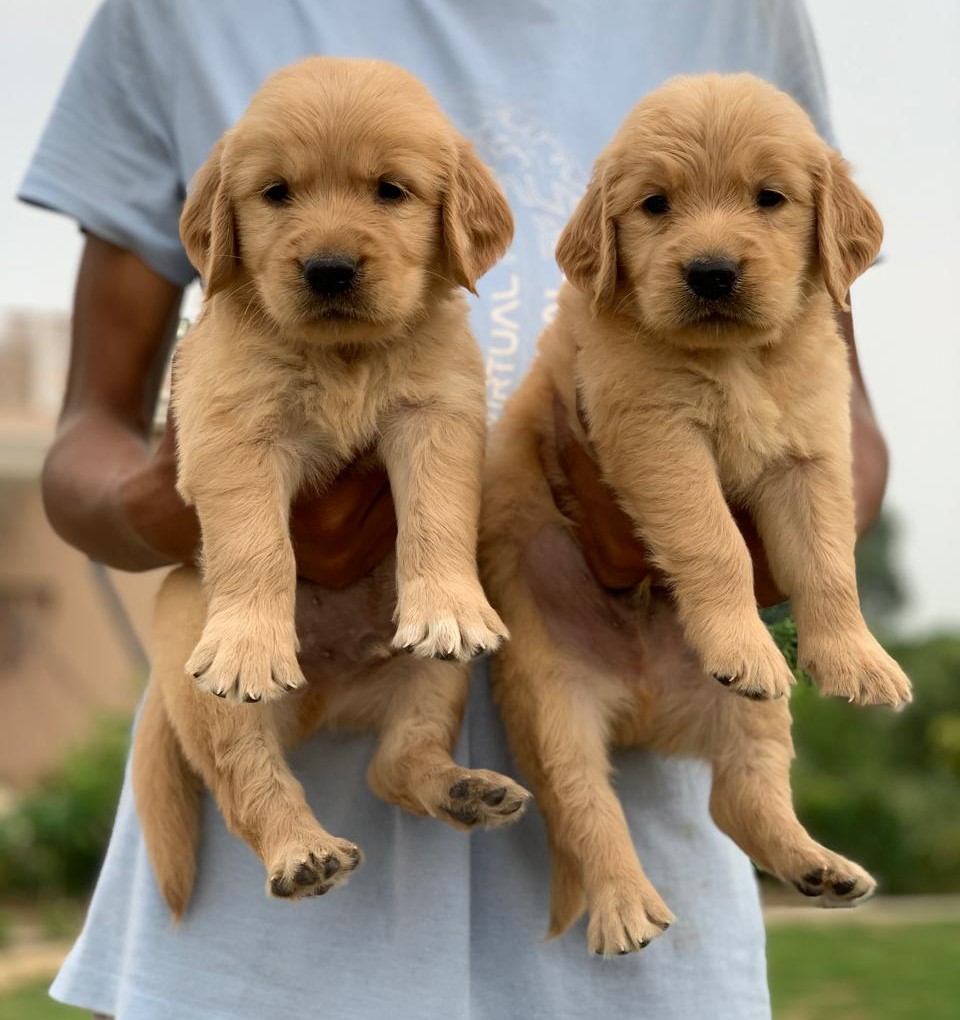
x=805 y=515
x=422 y=705
x=248 y=649
x=667 y=479
x=237 y=751
x=433 y=453
x=559 y=724
x=751 y=749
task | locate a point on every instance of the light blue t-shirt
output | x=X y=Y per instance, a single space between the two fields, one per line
x=436 y=924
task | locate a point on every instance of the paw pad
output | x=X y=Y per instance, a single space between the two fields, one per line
x=482 y=799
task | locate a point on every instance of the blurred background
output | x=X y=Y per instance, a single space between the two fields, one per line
x=883 y=789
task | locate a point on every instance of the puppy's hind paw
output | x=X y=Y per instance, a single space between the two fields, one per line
x=480 y=799
x=836 y=882
x=312 y=868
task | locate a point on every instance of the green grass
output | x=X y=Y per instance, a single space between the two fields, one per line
x=855 y=972
x=849 y=972
x=33 y=1003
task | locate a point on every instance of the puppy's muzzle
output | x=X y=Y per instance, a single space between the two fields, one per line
x=712 y=279
x=331 y=273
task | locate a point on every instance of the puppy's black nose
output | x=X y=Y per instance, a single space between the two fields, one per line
x=712 y=279
x=331 y=273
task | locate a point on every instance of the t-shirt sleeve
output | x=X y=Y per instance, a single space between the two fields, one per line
x=107 y=156
x=795 y=64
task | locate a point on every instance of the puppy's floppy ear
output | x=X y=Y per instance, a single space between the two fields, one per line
x=587 y=249
x=207 y=226
x=849 y=230
x=477 y=223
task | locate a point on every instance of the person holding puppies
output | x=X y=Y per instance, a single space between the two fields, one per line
x=434 y=925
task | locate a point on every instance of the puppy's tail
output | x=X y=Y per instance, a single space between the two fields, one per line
x=166 y=788
x=567 y=898
x=167 y=791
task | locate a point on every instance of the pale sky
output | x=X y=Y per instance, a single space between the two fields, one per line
x=894 y=82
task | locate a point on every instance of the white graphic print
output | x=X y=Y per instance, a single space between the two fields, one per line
x=543 y=183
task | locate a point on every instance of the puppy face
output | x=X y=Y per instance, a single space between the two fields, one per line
x=342 y=203
x=715 y=213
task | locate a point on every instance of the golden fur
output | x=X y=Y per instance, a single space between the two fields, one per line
x=279 y=386
x=689 y=406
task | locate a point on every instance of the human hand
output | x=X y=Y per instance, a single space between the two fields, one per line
x=152 y=506
x=606 y=534
x=338 y=537
x=341 y=535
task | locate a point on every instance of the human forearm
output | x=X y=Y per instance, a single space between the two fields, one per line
x=123 y=328
x=91 y=459
x=871 y=459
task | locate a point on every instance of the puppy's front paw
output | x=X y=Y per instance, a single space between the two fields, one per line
x=312 y=868
x=857 y=668
x=743 y=656
x=480 y=799
x=453 y=621
x=246 y=657
x=626 y=917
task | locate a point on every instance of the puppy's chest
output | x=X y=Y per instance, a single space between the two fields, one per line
x=749 y=421
x=333 y=407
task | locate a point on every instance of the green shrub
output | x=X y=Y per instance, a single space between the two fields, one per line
x=52 y=844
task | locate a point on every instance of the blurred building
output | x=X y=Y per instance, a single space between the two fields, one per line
x=70 y=633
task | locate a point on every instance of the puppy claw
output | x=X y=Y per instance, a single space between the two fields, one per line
x=743 y=657
x=626 y=918
x=857 y=668
x=449 y=626
x=246 y=659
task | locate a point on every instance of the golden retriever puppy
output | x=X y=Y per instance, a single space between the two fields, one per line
x=696 y=333
x=334 y=226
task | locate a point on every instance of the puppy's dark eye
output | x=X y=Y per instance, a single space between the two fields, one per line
x=768 y=198
x=388 y=191
x=656 y=205
x=277 y=194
